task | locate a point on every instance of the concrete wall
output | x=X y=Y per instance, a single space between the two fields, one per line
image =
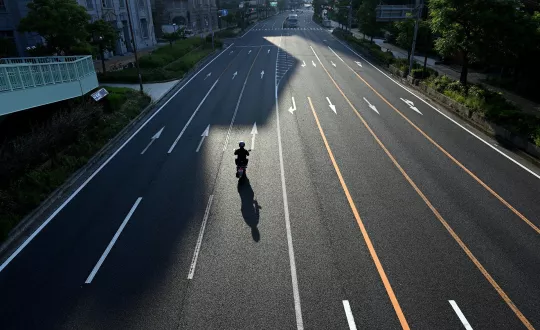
x=23 y=99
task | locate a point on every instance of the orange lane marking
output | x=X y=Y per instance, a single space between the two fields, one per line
x=370 y=247
x=502 y=200
x=477 y=263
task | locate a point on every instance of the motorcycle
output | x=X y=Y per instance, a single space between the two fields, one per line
x=241 y=168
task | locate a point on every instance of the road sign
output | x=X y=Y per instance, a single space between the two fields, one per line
x=101 y=93
x=223 y=12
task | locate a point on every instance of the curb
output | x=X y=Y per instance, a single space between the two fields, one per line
x=35 y=218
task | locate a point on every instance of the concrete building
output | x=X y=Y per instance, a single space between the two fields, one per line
x=196 y=15
x=114 y=11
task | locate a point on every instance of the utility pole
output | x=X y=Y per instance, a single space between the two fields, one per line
x=134 y=46
x=418 y=9
x=350 y=15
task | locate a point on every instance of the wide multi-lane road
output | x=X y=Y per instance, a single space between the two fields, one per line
x=365 y=207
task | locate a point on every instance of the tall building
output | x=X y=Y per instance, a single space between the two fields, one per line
x=113 y=11
x=196 y=15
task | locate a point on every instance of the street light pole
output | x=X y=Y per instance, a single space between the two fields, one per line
x=418 y=14
x=134 y=46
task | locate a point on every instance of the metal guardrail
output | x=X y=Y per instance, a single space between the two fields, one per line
x=30 y=72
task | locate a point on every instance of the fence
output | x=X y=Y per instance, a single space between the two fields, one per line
x=30 y=72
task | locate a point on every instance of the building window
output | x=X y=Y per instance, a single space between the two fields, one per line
x=141 y=3
x=107 y=3
x=2 y=5
x=122 y=4
x=89 y=4
x=144 y=28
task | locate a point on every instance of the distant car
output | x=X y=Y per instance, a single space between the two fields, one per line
x=292 y=21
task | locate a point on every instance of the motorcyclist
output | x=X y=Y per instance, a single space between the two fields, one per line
x=241 y=154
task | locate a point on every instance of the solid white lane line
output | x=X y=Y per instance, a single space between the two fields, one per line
x=292 y=262
x=348 y=312
x=49 y=219
x=336 y=54
x=111 y=244
x=191 y=118
x=443 y=114
x=199 y=239
x=460 y=315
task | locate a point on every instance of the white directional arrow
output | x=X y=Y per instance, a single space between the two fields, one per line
x=315 y=65
x=204 y=135
x=152 y=139
x=334 y=64
x=208 y=75
x=268 y=52
x=303 y=63
x=333 y=107
x=253 y=133
x=293 y=108
x=249 y=51
x=262 y=74
x=360 y=64
x=411 y=105
x=232 y=51
x=371 y=106
x=234 y=74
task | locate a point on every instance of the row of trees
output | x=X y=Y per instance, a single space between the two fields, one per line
x=500 y=35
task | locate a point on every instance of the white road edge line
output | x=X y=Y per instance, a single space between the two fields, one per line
x=49 y=219
x=336 y=54
x=199 y=239
x=292 y=262
x=111 y=244
x=442 y=113
x=462 y=317
x=348 y=313
x=191 y=118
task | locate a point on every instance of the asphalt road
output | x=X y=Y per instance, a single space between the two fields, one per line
x=364 y=207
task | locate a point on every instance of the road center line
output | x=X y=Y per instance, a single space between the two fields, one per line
x=348 y=313
x=111 y=244
x=439 y=217
x=200 y=238
x=452 y=158
x=191 y=118
x=66 y=202
x=360 y=222
x=462 y=317
x=292 y=262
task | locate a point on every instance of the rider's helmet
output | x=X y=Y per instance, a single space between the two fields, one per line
x=241 y=144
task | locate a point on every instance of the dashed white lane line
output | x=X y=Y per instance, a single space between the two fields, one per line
x=66 y=202
x=200 y=238
x=348 y=313
x=111 y=244
x=191 y=118
x=462 y=317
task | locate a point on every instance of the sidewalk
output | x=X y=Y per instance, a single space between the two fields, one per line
x=473 y=77
x=123 y=59
x=155 y=90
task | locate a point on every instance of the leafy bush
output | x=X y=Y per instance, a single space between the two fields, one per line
x=492 y=104
x=227 y=33
x=419 y=73
x=154 y=61
x=33 y=165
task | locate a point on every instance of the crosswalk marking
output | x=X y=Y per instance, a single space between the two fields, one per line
x=281 y=29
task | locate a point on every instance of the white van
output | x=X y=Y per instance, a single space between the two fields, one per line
x=292 y=21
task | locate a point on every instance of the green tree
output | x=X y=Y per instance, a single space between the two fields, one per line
x=405 y=35
x=367 y=20
x=467 y=27
x=173 y=36
x=106 y=30
x=62 y=23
